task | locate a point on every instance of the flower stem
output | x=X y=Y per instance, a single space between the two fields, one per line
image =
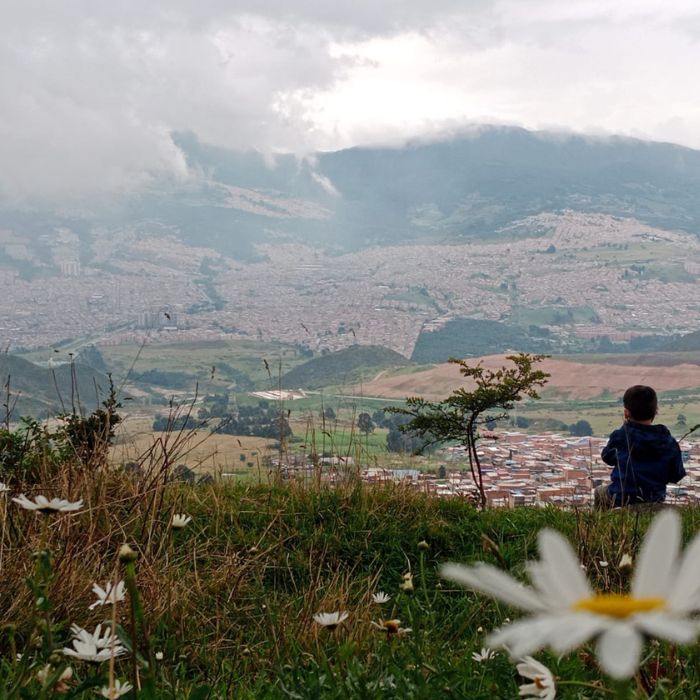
x=134 y=638
x=621 y=689
x=136 y=616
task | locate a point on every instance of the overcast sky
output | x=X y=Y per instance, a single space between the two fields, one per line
x=91 y=91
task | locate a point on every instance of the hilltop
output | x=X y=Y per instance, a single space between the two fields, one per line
x=344 y=367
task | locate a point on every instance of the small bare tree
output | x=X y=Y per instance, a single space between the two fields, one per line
x=459 y=416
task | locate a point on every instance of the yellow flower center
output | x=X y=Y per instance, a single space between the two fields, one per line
x=618 y=604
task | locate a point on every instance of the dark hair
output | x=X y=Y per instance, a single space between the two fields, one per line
x=641 y=402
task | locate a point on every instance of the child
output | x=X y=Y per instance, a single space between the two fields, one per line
x=644 y=457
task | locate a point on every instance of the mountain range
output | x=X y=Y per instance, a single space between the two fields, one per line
x=474 y=185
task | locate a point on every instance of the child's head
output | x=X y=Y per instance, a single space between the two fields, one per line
x=640 y=403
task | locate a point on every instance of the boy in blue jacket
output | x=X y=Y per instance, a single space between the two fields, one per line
x=644 y=457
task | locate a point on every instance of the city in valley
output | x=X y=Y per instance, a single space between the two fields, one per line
x=518 y=469
x=580 y=275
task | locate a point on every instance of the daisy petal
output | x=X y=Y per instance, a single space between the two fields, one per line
x=618 y=650
x=575 y=629
x=491 y=581
x=525 y=636
x=685 y=590
x=663 y=626
x=656 y=566
x=561 y=569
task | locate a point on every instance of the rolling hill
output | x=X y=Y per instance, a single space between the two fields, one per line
x=41 y=391
x=354 y=364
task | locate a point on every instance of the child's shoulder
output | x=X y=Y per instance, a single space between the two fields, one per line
x=617 y=434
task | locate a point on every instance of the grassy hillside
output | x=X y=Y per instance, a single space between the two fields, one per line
x=686 y=343
x=229 y=601
x=349 y=366
x=466 y=337
x=214 y=365
x=43 y=391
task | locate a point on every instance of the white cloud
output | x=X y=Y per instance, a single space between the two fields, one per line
x=539 y=65
x=90 y=107
x=91 y=91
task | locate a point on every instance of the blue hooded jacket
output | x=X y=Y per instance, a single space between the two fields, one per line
x=644 y=459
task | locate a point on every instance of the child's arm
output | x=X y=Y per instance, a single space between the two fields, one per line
x=676 y=470
x=609 y=453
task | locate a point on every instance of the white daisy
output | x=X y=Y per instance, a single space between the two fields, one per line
x=98 y=638
x=566 y=612
x=391 y=627
x=108 y=595
x=95 y=647
x=485 y=654
x=4 y=488
x=542 y=685
x=118 y=690
x=43 y=505
x=180 y=520
x=380 y=598
x=330 y=620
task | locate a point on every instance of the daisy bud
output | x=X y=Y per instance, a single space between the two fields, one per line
x=625 y=563
x=423 y=545
x=126 y=554
x=407 y=585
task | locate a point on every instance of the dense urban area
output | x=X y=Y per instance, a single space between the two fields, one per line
x=569 y=274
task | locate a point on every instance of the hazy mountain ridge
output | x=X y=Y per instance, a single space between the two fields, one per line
x=469 y=186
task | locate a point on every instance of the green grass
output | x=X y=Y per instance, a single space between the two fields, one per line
x=198 y=358
x=345 y=441
x=367 y=539
x=230 y=599
x=414 y=295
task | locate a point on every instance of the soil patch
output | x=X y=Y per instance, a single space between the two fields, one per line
x=569 y=379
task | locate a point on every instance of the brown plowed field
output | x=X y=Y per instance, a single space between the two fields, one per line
x=569 y=379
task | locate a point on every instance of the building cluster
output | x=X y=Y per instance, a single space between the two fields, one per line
x=532 y=470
